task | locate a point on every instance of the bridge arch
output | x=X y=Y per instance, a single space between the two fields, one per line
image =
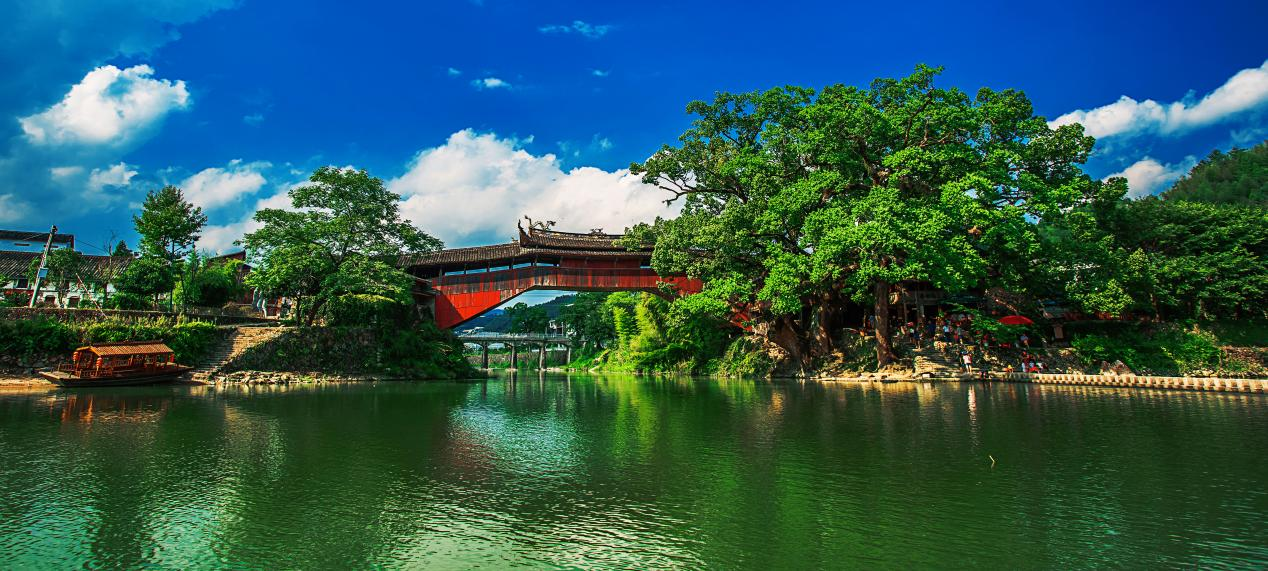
x=463 y=283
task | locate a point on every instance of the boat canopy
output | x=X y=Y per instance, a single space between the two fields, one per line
x=127 y=348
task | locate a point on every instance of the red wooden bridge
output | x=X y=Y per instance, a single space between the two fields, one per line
x=465 y=282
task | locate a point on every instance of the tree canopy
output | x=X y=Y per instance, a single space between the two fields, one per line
x=339 y=243
x=527 y=318
x=65 y=267
x=801 y=199
x=168 y=224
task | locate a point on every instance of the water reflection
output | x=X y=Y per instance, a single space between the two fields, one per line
x=614 y=471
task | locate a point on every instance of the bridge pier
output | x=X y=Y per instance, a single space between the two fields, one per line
x=568 y=353
x=541 y=357
x=515 y=357
x=484 y=356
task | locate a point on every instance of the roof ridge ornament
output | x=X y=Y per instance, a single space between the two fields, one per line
x=540 y=225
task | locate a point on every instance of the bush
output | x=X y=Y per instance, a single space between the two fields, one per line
x=419 y=351
x=745 y=357
x=1168 y=350
x=125 y=300
x=190 y=340
x=26 y=341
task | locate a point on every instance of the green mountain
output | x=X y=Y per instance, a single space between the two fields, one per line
x=1239 y=176
x=496 y=321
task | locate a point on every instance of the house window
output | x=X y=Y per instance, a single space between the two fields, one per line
x=23 y=283
x=72 y=302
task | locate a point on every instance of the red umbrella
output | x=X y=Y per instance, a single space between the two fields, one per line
x=1016 y=320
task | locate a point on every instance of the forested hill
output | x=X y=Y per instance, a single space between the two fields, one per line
x=499 y=321
x=1239 y=176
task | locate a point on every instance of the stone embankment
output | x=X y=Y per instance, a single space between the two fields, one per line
x=289 y=378
x=1078 y=379
x=1141 y=381
x=241 y=339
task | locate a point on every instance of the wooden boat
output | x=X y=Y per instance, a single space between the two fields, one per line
x=126 y=363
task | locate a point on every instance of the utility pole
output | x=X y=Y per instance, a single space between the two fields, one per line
x=39 y=274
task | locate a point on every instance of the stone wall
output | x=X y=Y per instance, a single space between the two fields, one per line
x=69 y=315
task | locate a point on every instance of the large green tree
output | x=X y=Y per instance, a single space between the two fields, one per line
x=339 y=244
x=169 y=227
x=587 y=319
x=798 y=201
x=146 y=277
x=527 y=318
x=168 y=224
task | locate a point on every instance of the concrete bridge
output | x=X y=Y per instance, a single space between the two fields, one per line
x=462 y=283
x=514 y=341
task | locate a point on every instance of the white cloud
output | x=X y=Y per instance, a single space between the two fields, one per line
x=1246 y=90
x=216 y=186
x=253 y=119
x=12 y=208
x=109 y=106
x=453 y=72
x=479 y=184
x=489 y=83
x=65 y=173
x=1148 y=176
x=600 y=72
x=591 y=31
x=116 y=175
x=220 y=238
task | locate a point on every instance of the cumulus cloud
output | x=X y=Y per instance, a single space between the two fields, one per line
x=109 y=106
x=1148 y=176
x=591 y=31
x=69 y=159
x=115 y=175
x=213 y=187
x=477 y=185
x=220 y=238
x=1245 y=91
x=47 y=45
x=489 y=83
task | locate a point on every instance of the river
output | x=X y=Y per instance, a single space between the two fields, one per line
x=631 y=472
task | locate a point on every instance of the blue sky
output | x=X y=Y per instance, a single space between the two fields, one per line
x=480 y=112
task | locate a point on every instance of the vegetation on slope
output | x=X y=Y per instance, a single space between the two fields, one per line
x=1235 y=177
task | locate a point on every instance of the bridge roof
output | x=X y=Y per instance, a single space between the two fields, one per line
x=531 y=242
x=594 y=240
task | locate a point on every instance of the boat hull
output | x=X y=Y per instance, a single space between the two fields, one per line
x=67 y=380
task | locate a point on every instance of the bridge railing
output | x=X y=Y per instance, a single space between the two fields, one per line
x=551 y=277
x=491 y=336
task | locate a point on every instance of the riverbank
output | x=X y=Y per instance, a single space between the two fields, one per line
x=1210 y=384
x=15 y=381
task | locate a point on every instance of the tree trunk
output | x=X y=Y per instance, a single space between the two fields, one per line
x=884 y=348
x=312 y=313
x=784 y=333
x=825 y=322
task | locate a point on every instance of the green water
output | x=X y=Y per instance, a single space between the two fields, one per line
x=623 y=472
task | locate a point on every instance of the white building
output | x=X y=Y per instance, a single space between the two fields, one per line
x=19 y=251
